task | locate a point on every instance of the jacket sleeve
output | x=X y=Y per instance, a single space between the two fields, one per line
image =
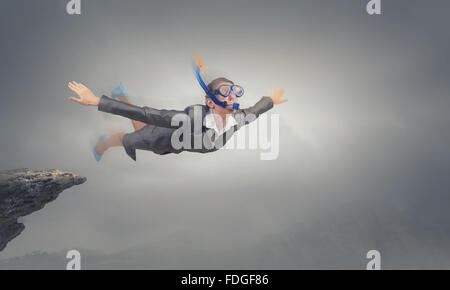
x=246 y=116
x=160 y=118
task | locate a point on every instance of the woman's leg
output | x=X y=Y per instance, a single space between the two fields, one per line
x=136 y=124
x=115 y=140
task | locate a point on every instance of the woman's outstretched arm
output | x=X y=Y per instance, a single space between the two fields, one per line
x=160 y=118
x=248 y=115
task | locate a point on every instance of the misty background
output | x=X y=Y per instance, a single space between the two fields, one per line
x=364 y=138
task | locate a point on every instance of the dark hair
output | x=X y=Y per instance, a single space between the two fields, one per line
x=212 y=86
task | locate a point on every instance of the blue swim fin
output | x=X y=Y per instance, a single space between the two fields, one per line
x=96 y=155
x=120 y=91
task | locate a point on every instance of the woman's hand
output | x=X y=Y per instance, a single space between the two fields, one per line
x=277 y=95
x=87 y=98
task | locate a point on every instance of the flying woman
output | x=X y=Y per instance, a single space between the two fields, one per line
x=155 y=129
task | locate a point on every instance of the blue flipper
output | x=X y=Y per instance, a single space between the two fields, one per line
x=96 y=155
x=120 y=91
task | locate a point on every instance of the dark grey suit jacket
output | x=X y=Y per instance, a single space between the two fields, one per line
x=156 y=136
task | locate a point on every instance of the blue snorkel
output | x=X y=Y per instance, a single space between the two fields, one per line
x=208 y=92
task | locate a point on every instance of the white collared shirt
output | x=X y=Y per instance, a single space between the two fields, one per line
x=210 y=122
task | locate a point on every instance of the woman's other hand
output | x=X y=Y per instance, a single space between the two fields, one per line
x=87 y=98
x=277 y=95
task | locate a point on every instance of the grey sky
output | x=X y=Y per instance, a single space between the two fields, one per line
x=364 y=154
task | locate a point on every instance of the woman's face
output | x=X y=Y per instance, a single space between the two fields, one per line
x=231 y=99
